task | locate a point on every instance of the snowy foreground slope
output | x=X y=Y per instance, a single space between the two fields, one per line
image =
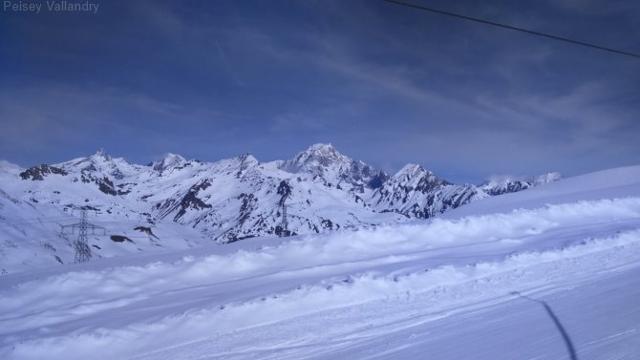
x=552 y=272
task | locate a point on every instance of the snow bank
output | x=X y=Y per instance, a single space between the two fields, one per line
x=440 y=288
x=95 y=291
x=332 y=248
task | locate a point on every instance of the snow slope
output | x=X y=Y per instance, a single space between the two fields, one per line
x=546 y=273
x=612 y=183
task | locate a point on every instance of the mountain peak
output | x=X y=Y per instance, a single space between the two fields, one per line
x=317 y=158
x=497 y=180
x=416 y=177
x=322 y=147
x=169 y=160
x=324 y=153
x=501 y=184
x=412 y=170
x=325 y=161
x=247 y=159
x=101 y=154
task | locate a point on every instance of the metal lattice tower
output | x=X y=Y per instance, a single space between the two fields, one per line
x=81 y=244
x=284 y=190
x=284 y=223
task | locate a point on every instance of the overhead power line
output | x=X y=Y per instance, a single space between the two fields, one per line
x=514 y=28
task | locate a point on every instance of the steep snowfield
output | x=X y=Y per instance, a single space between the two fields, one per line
x=547 y=273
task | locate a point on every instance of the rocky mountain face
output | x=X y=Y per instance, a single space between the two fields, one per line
x=325 y=162
x=506 y=184
x=186 y=202
x=417 y=193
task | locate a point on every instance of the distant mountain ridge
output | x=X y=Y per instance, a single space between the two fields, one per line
x=190 y=201
x=507 y=184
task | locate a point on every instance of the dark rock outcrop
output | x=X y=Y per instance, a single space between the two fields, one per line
x=39 y=172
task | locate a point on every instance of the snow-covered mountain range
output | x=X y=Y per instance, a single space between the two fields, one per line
x=177 y=203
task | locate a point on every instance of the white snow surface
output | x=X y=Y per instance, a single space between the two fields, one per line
x=551 y=272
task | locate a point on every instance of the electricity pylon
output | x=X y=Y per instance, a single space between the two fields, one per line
x=81 y=245
x=284 y=189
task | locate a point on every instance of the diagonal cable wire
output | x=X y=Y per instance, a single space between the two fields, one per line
x=511 y=27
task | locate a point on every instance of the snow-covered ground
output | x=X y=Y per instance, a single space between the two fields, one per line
x=552 y=272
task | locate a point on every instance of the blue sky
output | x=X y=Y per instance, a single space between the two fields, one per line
x=385 y=84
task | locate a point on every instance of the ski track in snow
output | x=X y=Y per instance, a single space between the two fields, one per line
x=317 y=295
